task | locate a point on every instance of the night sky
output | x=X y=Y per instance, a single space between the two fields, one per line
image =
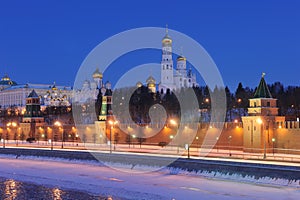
x=46 y=41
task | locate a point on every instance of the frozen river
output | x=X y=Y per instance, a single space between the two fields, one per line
x=16 y=190
x=90 y=178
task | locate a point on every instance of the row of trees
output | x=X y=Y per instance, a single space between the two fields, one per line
x=140 y=101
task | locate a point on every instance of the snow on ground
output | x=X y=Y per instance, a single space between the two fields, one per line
x=95 y=178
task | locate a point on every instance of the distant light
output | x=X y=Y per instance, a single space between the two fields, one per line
x=171 y=136
x=280 y=126
x=273 y=139
x=236 y=121
x=259 y=120
x=210 y=126
x=173 y=122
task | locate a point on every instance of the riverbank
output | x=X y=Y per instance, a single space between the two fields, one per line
x=97 y=179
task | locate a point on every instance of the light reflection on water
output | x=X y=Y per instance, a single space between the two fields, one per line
x=11 y=191
x=57 y=194
x=15 y=190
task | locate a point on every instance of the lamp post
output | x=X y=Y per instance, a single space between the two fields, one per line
x=259 y=121
x=187 y=147
x=9 y=124
x=49 y=130
x=229 y=140
x=111 y=123
x=58 y=124
x=273 y=141
x=3 y=139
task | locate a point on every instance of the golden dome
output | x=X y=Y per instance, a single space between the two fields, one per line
x=139 y=84
x=167 y=39
x=150 y=80
x=97 y=74
x=179 y=58
x=151 y=85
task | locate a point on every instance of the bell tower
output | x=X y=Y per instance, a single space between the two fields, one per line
x=167 y=72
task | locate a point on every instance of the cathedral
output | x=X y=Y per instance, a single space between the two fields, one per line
x=174 y=79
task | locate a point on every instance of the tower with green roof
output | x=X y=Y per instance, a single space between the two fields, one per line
x=262 y=118
x=32 y=117
x=262 y=102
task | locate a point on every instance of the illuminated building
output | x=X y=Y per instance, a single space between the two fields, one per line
x=13 y=94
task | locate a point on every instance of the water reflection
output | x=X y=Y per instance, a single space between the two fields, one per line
x=16 y=190
x=57 y=194
x=11 y=190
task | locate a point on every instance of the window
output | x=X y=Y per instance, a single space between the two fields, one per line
x=268 y=104
x=254 y=104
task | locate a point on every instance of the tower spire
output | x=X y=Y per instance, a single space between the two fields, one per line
x=167 y=30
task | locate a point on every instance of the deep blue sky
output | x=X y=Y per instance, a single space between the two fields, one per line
x=46 y=41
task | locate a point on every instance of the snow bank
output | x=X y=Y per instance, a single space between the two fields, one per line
x=172 y=171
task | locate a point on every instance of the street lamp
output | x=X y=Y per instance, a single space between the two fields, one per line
x=173 y=122
x=229 y=140
x=9 y=124
x=58 y=124
x=197 y=143
x=111 y=123
x=259 y=121
x=273 y=141
x=187 y=147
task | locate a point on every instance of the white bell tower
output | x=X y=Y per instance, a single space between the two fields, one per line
x=167 y=72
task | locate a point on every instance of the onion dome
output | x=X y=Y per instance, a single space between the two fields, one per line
x=181 y=58
x=54 y=86
x=139 y=84
x=7 y=81
x=150 y=81
x=97 y=74
x=167 y=39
